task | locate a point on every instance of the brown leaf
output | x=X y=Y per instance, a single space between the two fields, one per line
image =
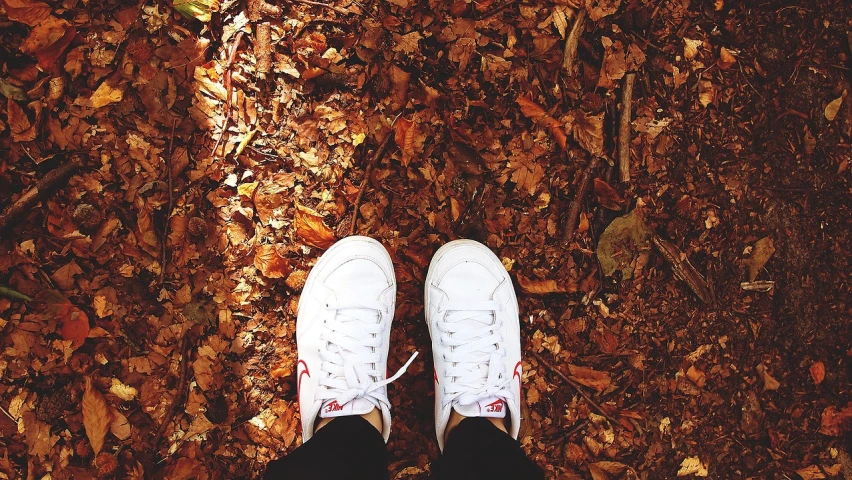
x=607 y=470
x=833 y=107
x=607 y=196
x=19 y=124
x=539 y=287
x=614 y=64
x=763 y=250
x=696 y=376
x=537 y=114
x=599 y=9
x=588 y=131
x=97 y=416
x=404 y=132
x=120 y=426
x=836 y=423
x=270 y=198
x=64 y=276
x=769 y=382
x=590 y=378
x=28 y=12
x=726 y=59
x=48 y=40
x=270 y=263
x=311 y=229
x=818 y=372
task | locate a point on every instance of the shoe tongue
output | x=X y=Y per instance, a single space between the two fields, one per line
x=491 y=407
x=358 y=406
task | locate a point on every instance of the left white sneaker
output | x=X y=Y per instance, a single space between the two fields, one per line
x=343 y=334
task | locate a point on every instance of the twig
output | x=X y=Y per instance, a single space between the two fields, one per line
x=624 y=130
x=683 y=269
x=367 y=172
x=13 y=294
x=8 y=414
x=574 y=208
x=165 y=239
x=232 y=55
x=323 y=5
x=40 y=191
x=569 y=56
x=258 y=11
x=496 y=10
x=180 y=395
x=576 y=386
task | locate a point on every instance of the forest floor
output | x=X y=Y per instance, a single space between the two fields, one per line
x=200 y=166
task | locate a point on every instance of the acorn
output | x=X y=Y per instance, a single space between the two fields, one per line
x=86 y=215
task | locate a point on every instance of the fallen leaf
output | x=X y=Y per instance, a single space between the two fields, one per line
x=539 y=287
x=64 y=276
x=404 y=133
x=311 y=229
x=833 y=107
x=762 y=252
x=19 y=124
x=607 y=196
x=818 y=372
x=726 y=59
x=30 y=13
x=590 y=378
x=769 y=382
x=48 y=40
x=607 y=470
x=692 y=466
x=621 y=244
x=836 y=423
x=706 y=93
x=815 y=472
x=104 y=95
x=537 y=114
x=97 y=416
x=690 y=47
x=599 y=9
x=696 y=376
x=614 y=64
x=122 y=391
x=270 y=263
x=200 y=10
x=120 y=426
x=588 y=131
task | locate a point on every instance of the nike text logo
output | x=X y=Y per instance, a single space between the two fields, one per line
x=333 y=407
x=494 y=407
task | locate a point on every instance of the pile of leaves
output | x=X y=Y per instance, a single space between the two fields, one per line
x=693 y=321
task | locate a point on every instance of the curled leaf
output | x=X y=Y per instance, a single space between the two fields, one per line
x=539 y=287
x=311 y=229
x=270 y=263
x=537 y=114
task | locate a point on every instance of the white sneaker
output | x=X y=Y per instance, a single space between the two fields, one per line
x=472 y=313
x=342 y=333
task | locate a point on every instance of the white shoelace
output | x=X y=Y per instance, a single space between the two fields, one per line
x=471 y=332
x=352 y=354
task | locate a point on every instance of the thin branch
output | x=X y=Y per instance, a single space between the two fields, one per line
x=232 y=54
x=569 y=56
x=323 y=5
x=367 y=172
x=624 y=129
x=180 y=394
x=577 y=386
x=683 y=269
x=8 y=414
x=577 y=202
x=165 y=239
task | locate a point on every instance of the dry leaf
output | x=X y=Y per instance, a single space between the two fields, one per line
x=696 y=376
x=64 y=276
x=607 y=470
x=97 y=416
x=726 y=59
x=621 y=244
x=614 y=64
x=690 y=48
x=833 y=107
x=607 y=196
x=818 y=372
x=120 y=426
x=311 y=229
x=599 y=9
x=590 y=378
x=404 y=133
x=706 y=93
x=19 y=124
x=104 y=95
x=588 y=131
x=270 y=263
x=122 y=391
x=769 y=382
x=815 y=472
x=48 y=40
x=538 y=287
x=30 y=13
x=836 y=423
x=692 y=466
x=762 y=252
x=537 y=114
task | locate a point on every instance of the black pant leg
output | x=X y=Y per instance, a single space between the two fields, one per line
x=348 y=448
x=477 y=449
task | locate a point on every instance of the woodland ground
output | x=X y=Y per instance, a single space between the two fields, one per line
x=209 y=161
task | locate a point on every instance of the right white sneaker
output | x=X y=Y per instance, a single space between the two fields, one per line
x=472 y=314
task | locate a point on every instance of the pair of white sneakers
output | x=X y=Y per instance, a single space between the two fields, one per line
x=343 y=335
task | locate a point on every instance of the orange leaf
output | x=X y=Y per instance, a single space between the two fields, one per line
x=726 y=59
x=75 y=327
x=48 y=40
x=531 y=109
x=588 y=131
x=26 y=12
x=537 y=114
x=19 y=124
x=538 y=287
x=834 y=423
x=311 y=229
x=270 y=263
x=590 y=378
x=97 y=416
x=818 y=372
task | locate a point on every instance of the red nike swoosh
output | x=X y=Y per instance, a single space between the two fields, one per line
x=519 y=369
x=303 y=372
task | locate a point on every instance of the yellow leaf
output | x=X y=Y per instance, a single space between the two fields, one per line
x=247 y=189
x=726 y=59
x=692 y=466
x=122 y=391
x=104 y=95
x=97 y=416
x=833 y=107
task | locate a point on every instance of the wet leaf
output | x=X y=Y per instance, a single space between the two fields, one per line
x=621 y=244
